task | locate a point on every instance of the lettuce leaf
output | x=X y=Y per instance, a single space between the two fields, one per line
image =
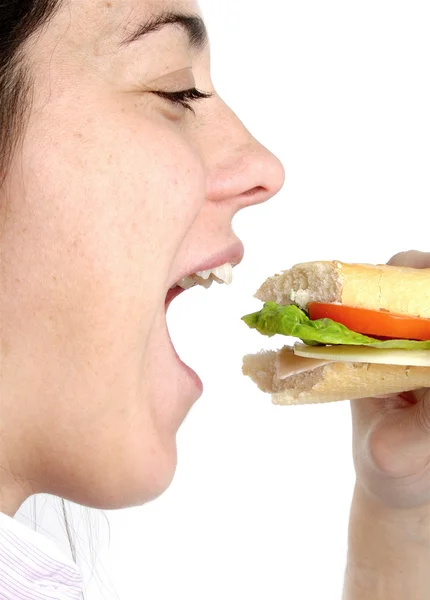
x=292 y=321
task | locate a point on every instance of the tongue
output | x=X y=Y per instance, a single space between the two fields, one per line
x=172 y=294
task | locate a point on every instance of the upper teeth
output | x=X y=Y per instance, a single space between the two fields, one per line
x=222 y=274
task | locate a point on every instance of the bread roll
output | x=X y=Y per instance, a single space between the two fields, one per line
x=399 y=290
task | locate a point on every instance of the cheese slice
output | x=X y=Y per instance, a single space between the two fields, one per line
x=288 y=364
x=365 y=354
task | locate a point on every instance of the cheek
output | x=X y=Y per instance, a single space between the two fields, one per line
x=108 y=204
x=101 y=206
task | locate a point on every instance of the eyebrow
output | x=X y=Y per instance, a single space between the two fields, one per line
x=193 y=25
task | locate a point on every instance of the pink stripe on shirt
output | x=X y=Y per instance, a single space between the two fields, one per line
x=32 y=567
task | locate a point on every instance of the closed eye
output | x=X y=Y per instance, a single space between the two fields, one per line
x=185 y=97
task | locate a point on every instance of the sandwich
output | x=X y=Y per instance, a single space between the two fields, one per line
x=354 y=330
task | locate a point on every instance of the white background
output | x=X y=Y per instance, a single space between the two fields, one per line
x=259 y=507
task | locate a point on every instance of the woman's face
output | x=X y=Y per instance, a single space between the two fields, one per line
x=115 y=194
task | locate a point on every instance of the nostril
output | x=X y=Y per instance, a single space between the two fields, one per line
x=258 y=190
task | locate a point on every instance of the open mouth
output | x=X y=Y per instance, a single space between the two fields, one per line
x=222 y=274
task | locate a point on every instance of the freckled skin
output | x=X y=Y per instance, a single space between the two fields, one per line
x=111 y=196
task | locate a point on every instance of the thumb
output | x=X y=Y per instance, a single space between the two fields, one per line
x=413 y=258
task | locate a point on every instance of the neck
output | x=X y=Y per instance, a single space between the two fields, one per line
x=12 y=493
x=15 y=488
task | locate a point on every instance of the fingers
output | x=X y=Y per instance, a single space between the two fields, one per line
x=423 y=415
x=413 y=258
x=367 y=412
x=406 y=436
x=394 y=433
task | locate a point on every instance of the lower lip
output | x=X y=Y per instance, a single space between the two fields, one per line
x=171 y=295
x=191 y=375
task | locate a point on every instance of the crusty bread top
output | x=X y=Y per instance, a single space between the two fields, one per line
x=400 y=290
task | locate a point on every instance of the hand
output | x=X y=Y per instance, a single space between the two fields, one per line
x=391 y=436
x=389 y=531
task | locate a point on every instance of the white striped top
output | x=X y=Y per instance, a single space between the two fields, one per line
x=32 y=567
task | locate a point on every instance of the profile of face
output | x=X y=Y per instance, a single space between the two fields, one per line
x=119 y=188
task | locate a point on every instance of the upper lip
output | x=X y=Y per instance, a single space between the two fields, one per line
x=233 y=255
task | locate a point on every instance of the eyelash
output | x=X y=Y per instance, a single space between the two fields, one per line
x=185 y=97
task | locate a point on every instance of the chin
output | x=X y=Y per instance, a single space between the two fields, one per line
x=131 y=477
x=148 y=484
x=134 y=457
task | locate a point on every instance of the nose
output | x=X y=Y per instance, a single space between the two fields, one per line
x=240 y=170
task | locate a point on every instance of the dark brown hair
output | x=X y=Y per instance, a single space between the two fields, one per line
x=19 y=19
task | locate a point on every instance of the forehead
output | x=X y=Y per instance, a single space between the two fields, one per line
x=97 y=27
x=121 y=12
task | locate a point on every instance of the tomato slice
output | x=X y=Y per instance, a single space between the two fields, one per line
x=373 y=322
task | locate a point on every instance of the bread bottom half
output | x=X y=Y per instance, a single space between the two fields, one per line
x=332 y=382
